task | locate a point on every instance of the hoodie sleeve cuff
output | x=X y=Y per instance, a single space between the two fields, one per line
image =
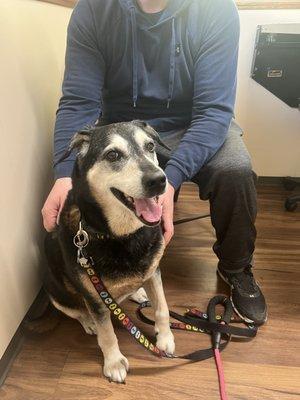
x=175 y=176
x=64 y=169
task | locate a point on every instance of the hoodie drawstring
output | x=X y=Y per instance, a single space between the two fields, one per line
x=134 y=58
x=172 y=64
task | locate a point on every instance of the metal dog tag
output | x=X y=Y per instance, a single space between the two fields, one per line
x=81 y=259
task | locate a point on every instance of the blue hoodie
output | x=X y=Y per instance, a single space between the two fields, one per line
x=178 y=72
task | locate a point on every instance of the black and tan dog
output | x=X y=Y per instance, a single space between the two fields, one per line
x=116 y=184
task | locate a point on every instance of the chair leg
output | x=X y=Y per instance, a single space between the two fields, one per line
x=292 y=202
x=290 y=183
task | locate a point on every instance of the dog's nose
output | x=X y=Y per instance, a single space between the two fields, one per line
x=154 y=183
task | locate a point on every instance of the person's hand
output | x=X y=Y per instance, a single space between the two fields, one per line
x=55 y=202
x=167 y=202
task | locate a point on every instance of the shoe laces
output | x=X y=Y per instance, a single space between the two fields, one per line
x=245 y=281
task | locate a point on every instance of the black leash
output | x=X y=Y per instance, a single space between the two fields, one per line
x=184 y=220
x=210 y=323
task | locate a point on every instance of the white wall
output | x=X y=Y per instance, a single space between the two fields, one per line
x=272 y=128
x=32 y=43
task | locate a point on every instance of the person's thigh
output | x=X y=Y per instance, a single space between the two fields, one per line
x=232 y=161
x=233 y=154
x=232 y=157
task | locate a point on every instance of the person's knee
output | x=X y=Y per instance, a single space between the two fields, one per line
x=229 y=177
x=235 y=174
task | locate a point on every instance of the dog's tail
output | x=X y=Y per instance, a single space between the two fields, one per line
x=46 y=321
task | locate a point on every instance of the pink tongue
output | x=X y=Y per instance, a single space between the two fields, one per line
x=148 y=209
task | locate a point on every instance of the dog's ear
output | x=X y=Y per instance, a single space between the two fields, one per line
x=80 y=141
x=151 y=132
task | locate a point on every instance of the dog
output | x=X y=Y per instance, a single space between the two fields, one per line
x=115 y=187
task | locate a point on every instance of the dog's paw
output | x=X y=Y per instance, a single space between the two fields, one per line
x=116 y=368
x=165 y=341
x=139 y=296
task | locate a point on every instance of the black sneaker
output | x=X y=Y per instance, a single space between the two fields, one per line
x=246 y=297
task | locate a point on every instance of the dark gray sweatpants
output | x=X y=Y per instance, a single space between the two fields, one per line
x=228 y=182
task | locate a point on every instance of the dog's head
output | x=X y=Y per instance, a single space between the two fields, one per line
x=119 y=164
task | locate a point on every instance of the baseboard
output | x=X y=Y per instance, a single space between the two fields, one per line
x=10 y=354
x=270 y=180
x=275 y=180
x=15 y=345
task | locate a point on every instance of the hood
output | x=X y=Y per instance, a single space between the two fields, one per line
x=173 y=8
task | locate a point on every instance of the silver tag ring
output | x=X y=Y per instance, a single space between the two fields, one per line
x=81 y=239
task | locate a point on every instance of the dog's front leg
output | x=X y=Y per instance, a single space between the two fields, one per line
x=116 y=365
x=154 y=288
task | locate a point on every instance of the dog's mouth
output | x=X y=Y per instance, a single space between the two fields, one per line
x=147 y=210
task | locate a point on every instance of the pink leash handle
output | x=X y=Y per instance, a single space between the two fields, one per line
x=221 y=377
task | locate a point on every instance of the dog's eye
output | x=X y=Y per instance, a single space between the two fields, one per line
x=150 y=147
x=113 y=155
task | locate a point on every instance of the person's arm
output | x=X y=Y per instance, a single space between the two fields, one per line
x=214 y=93
x=80 y=104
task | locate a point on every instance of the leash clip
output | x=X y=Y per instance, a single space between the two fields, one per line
x=81 y=240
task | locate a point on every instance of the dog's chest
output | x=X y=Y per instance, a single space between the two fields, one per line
x=138 y=255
